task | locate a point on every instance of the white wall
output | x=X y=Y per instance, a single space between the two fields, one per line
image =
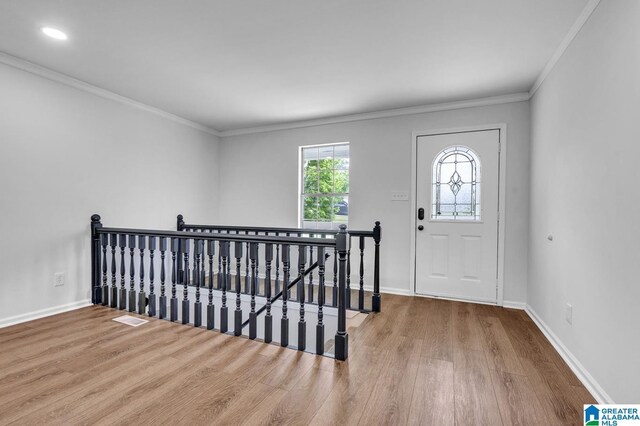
x=66 y=154
x=260 y=181
x=584 y=166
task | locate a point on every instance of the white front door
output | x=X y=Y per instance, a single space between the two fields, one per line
x=457 y=217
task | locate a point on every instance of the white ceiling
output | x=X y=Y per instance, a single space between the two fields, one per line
x=237 y=64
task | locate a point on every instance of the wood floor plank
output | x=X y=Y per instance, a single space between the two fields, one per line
x=467 y=332
x=517 y=401
x=347 y=400
x=419 y=361
x=523 y=341
x=557 y=397
x=302 y=402
x=438 y=337
x=433 y=395
x=553 y=356
x=390 y=400
x=498 y=349
x=475 y=401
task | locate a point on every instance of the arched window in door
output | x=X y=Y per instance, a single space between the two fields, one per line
x=456 y=185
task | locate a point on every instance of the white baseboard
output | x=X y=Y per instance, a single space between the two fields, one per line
x=389 y=290
x=29 y=316
x=578 y=369
x=514 y=305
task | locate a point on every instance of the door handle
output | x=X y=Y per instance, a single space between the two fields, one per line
x=420 y=227
x=420 y=213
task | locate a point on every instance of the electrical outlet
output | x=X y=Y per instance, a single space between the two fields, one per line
x=58 y=279
x=569 y=313
x=399 y=195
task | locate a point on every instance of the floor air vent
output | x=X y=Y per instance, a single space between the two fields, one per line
x=129 y=320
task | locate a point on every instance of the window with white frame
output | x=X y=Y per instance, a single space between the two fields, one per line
x=324 y=186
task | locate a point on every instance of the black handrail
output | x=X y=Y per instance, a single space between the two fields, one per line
x=268 y=239
x=326 y=232
x=294 y=282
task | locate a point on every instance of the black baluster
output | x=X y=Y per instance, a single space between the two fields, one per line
x=224 y=310
x=238 y=312
x=247 y=279
x=163 y=297
x=342 y=338
x=320 y=325
x=142 y=299
x=334 y=290
x=198 y=248
x=132 y=274
x=219 y=268
x=302 y=325
x=253 y=319
x=114 y=281
x=375 y=298
x=123 y=290
x=185 y=246
x=268 y=319
x=211 y=248
x=361 y=289
x=175 y=274
x=152 y=294
x=284 y=321
x=257 y=278
x=349 y=275
x=277 y=289
x=104 y=239
x=311 y=273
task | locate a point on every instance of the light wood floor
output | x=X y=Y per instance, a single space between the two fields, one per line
x=420 y=361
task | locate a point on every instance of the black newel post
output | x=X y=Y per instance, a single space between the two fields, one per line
x=342 y=338
x=375 y=299
x=180 y=223
x=96 y=290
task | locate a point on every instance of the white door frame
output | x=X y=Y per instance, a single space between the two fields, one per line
x=502 y=168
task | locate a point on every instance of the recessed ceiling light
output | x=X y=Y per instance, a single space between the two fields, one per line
x=53 y=33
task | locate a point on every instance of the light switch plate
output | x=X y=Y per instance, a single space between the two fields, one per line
x=399 y=195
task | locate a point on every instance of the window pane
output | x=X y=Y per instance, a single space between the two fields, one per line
x=456 y=184
x=325 y=186
x=310 y=171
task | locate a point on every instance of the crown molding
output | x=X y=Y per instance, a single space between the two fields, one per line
x=494 y=100
x=49 y=74
x=566 y=42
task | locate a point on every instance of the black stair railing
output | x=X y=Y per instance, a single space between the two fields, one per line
x=188 y=259
x=279 y=294
x=360 y=237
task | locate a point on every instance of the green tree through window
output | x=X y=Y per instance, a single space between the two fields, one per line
x=325 y=186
